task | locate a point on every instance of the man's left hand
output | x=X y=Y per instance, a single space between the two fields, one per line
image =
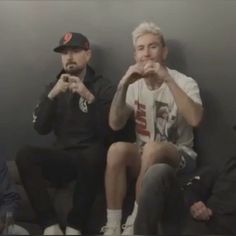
x=77 y=86
x=200 y=211
x=155 y=70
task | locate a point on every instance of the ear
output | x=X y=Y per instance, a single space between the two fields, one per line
x=88 y=54
x=165 y=53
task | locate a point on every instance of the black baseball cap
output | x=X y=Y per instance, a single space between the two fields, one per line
x=72 y=39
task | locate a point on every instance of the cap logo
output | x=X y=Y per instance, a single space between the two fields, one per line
x=67 y=37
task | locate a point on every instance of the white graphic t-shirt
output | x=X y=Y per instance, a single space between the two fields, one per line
x=156 y=114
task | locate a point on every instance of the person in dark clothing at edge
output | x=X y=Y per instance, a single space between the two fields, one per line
x=75 y=107
x=9 y=200
x=206 y=201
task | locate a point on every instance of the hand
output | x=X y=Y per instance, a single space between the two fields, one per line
x=60 y=87
x=77 y=86
x=200 y=211
x=134 y=73
x=155 y=71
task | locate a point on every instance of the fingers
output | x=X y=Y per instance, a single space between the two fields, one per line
x=151 y=65
x=151 y=70
x=68 y=81
x=74 y=79
x=210 y=212
x=69 y=78
x=74 y=84
x=135 y=71
x=199 y=211
x=82 y=90
x=203 y=214
x=64 y=78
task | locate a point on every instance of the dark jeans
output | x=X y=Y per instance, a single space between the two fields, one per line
x=160 y=203
x=194 y=227
x=162 y=210
x=85 y=165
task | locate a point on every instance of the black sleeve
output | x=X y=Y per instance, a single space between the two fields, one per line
x=127 y=133
x=104 y=96
x=44 y=111
x=200 y=186
x=9 y=198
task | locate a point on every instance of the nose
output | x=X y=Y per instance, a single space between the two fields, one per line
x=146 y=52
x=70 y=54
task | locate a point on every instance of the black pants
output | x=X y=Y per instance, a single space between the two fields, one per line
x=194 y=227
x=85 y=165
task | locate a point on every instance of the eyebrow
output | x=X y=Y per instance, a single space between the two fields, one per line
x=151 y=44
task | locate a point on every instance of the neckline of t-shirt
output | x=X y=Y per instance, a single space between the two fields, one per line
x=155 y=90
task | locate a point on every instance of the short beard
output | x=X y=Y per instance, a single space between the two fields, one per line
x=74 y=71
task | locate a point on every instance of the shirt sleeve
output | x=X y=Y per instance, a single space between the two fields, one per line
x=44 y=111
x=104 y=92
x=192 y=90
x=200 y=186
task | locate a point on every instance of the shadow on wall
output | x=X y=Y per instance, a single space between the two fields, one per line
x=96 y=60
x=214 y=130
x=176 y=58
x=2 y=151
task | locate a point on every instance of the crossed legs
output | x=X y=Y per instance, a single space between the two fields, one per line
x=124 y=155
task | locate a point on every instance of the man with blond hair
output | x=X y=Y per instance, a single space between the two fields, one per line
x=166 y=105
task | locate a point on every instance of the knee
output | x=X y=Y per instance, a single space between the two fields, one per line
x=117 y=154
x=156 y=175
x=155 y=152
x=154 y=148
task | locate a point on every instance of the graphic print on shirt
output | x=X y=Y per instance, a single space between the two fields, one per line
x=83 y=105
x=162 y=127
x=141 y=119
x=165 y=125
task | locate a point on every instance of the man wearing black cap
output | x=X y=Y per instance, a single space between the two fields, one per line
x=75 y=108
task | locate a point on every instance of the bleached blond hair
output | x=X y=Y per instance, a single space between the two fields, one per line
x=147 y=28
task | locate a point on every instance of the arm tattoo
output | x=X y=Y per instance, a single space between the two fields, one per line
x=120 y=112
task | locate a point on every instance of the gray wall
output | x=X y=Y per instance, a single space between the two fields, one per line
x=201 y=36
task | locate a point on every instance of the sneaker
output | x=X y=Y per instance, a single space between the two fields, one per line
x=110 y=230
x=72 y=231
x=53 y=230
x=128 y=227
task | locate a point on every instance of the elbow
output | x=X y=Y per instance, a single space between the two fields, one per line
x=196 y=119
x=114 y=125
x=41 y=131
x=195 y=123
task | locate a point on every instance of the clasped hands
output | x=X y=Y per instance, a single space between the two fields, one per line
x=153 y=73
x=200 y=211
x=74 y=84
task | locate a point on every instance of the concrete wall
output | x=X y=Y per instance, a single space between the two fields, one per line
x=201 y=37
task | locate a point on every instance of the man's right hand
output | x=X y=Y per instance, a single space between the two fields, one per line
x=200 y=211
x=134 y=73
x=60 y=87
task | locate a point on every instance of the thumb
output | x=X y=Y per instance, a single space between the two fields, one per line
x=209 y=211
